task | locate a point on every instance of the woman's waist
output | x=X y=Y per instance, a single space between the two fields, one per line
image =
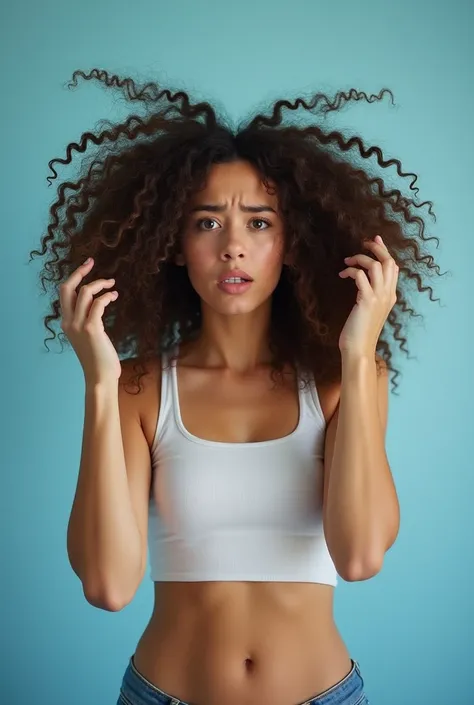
x=248 y=596
x=241 y=610
x=238 y=636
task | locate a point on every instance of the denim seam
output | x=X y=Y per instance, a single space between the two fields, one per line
x=153 y=689
x=321 y=697
x=361 y=700
x=124 y=698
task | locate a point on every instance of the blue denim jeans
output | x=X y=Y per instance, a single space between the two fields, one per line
x=136 y=690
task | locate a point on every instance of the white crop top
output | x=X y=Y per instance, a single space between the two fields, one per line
x=237 y=511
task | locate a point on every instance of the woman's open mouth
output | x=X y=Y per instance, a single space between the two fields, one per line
x=234 y=285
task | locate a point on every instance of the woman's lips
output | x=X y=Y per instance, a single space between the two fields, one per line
x=234 y=288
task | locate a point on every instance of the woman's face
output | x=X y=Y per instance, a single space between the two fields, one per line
x=222 y=234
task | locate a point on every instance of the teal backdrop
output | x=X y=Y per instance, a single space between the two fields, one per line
x=411 y=627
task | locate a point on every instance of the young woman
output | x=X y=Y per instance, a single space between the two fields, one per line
x=242 y=276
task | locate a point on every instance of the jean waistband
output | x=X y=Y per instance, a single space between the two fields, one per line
x=137 y=690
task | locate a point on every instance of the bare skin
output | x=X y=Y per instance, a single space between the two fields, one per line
x=208 y=642
x=215 y=642
x=238 y=643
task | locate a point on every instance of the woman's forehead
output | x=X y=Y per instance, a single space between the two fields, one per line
x=235 y=181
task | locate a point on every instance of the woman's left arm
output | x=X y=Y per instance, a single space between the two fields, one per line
x=361 y=510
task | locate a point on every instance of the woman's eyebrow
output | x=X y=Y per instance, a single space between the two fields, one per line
x=215 y=208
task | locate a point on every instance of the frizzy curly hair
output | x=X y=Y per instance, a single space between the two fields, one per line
x=128 y=206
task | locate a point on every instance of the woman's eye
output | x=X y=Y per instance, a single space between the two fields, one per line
x=260 y=220
x=205 y=220
x=258 y=223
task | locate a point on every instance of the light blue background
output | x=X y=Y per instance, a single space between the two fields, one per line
x=410 y=627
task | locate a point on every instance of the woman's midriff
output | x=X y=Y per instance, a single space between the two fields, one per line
x=241 y=643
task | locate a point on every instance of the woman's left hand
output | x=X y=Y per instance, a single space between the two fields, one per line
x=376 y=296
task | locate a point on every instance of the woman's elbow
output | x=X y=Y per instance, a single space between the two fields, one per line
x=358 y=570
x=106 y=600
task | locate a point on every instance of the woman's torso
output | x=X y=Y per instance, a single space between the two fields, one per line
x=232 y=643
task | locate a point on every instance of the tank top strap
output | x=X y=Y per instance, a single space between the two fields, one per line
x=309 y=397
x=166 y=410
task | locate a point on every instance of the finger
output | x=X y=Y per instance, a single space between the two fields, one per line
x=363 y=260
x=390 y=270
x=377 y=277
x=67 y=291
x=379 y=249
x=97 y=309
x=360 y=278
x=394 y=279
x=390 y=267
x=85 y=299
x=376 y=273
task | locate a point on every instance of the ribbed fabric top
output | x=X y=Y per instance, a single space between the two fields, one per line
x=237 y=511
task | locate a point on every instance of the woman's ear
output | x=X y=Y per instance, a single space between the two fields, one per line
x=179 y=260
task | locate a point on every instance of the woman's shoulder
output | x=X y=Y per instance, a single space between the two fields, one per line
x=144 y=383
x=136 y=371
x=329 y=395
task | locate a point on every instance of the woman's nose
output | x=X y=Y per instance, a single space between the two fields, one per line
x=233 y=244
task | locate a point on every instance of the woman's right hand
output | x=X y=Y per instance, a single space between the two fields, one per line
x=82 y=322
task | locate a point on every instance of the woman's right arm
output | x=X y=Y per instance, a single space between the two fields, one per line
x=107 y=530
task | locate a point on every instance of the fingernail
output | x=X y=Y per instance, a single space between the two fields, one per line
x=379 y=239
x=89 y=259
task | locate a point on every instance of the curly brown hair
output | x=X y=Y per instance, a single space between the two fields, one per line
x=128 y=206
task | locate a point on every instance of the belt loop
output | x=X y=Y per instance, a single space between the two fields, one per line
x=357 y=668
